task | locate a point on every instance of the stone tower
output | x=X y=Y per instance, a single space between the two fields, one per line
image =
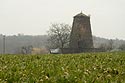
x=81 y=35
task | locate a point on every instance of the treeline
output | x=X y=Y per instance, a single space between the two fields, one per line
x=18 y=43
x=23 y=44
x=109 y=44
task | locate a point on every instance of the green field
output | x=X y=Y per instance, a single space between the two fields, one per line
x=67 y=68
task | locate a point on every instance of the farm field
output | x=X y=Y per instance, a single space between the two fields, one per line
x=63 y=68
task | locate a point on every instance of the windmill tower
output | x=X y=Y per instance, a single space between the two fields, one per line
x=81 y=35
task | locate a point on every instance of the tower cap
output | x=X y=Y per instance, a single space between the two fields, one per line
x=81 y=15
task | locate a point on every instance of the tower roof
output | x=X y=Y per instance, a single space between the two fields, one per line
x=81 y=15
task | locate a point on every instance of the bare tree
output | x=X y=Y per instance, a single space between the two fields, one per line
x=110 y=45
x=59 y=34
x=103 y=47
x=122 y=47
x=27 y=49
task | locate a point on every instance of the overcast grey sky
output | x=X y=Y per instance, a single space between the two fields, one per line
x=33 y=17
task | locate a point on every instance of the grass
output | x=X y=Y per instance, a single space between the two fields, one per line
x=67 y=68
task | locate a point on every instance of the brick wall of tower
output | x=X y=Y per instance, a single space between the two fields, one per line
x=81 y=35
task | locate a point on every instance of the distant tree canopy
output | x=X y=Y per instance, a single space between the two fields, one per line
x=59 y=34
